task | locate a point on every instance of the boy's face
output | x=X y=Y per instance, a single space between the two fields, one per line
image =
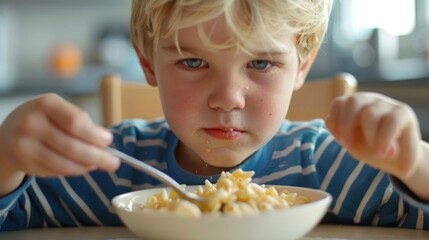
x=223 y=105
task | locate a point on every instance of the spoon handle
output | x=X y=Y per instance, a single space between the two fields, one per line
x=146 y=168
x=156 y=174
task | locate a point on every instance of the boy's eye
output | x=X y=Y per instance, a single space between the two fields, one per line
x=260 y=64
x=194 y=63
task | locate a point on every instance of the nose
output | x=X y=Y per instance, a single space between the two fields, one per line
x=228 y=93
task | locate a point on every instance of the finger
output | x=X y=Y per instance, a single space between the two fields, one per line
x=347 y=121
x=408 y=142
x=333 y=116
x=391 y=126
x=349 y=117
x=370 y=119
x=42 y=161
x=74 y=121
x=52 y=165
x=68 y=146
x=78 y=151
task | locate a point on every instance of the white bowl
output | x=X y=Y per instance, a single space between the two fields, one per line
x=286 y=223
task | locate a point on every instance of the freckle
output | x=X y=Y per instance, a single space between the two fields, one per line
x=271 y=114
x=260 y=99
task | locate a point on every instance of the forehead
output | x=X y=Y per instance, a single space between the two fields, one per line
x=216 y=34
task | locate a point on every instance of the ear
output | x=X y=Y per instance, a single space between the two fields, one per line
x=304 y=68
x=147 y=67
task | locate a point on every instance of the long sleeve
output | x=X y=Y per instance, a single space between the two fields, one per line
x=362 y=194
x=12 y=204
x=61 y=202
x=301 y=154
x=76 y=201
x=305 y=154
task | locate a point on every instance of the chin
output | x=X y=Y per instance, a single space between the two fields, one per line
x=224 y=162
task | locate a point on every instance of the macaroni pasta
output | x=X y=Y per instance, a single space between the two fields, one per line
x=233 y=194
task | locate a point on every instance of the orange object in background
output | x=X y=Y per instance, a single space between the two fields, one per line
x=67 y=60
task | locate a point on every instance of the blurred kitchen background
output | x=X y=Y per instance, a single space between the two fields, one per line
x=65 y=46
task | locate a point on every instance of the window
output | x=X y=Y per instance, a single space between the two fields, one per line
x=380 y=39
x=395 y=17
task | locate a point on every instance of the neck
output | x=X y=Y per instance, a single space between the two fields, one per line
x=193 y=163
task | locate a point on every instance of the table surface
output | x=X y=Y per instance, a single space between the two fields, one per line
x=116 y=233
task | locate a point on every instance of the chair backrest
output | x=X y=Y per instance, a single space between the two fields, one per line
x=124 y=100
x=313 y=100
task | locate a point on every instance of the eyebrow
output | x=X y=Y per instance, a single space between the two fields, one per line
x=173 y=48
x=273 y=53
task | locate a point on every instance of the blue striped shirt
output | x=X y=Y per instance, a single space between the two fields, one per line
x=301 y=154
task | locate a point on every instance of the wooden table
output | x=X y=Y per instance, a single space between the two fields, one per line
x=116 y=233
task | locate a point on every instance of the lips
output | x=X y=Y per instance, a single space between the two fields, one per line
x=224 y=133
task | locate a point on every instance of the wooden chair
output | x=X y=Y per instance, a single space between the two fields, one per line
x=124 y=100
x=314 y=98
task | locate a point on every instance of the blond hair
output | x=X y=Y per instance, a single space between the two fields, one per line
x=249 y=20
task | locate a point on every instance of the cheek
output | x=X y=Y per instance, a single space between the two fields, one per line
x=175 y=100
x=180 y=105
x=273 y=106
x=175 y=103
x=180 y=95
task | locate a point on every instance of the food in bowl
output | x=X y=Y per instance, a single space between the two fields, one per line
x=282 y=223
x=233 y=194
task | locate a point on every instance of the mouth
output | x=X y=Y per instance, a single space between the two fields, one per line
x=224 y=133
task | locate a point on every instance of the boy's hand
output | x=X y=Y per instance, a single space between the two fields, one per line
x=48 y=136
x=379 y=131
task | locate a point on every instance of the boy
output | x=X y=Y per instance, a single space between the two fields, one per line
x=225 y=71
